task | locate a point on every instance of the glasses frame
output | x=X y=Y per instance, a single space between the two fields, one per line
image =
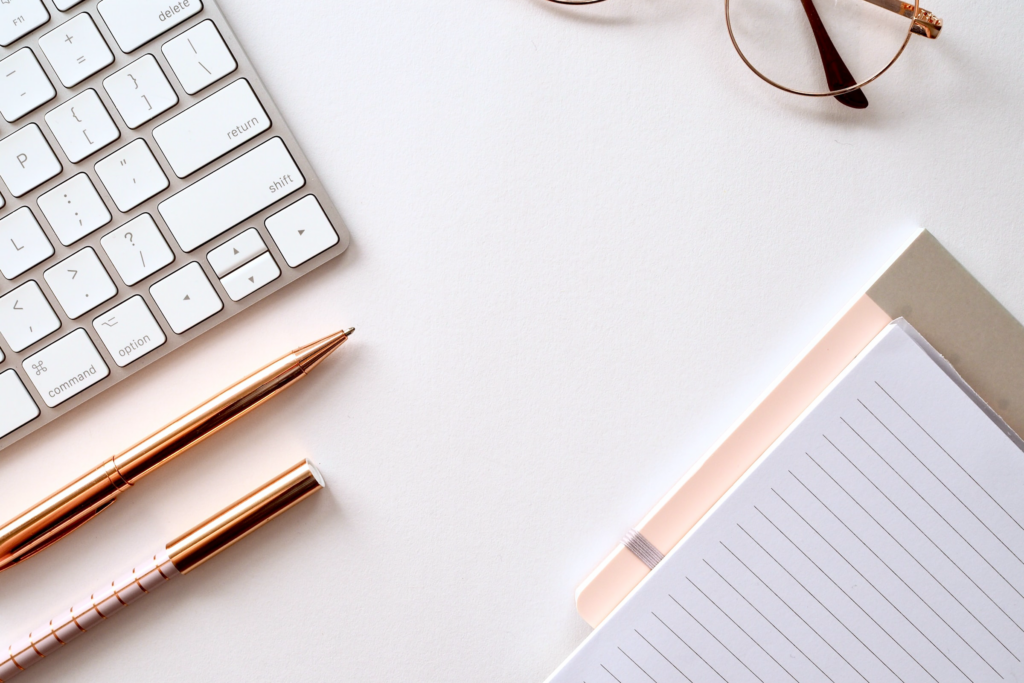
x=804 y=93
x=922 y=22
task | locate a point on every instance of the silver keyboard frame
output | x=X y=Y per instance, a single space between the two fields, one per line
x=174 y=341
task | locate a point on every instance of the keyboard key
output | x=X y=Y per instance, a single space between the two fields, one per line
x=231 y=194
x=135 y=22
x=199 y=56
x=16 y=405
x=250 y=277
x=24 y=85
x=82 y=126
x=302 y=231
x=19 y=18
x=26 y=316
x=74 y=209
x=80 y=283
x=220 y=123
x=236 y=251
x=186 y=297
x=140 y=91
x=23 y=243
x=137 y=249
x=76 y=50
x=129 y=331
x=26 y=160
x=131 y=175
x=65 y=5
x=65 y=368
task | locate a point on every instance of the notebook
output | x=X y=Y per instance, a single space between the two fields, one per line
x=922 y=283
x=880 y=538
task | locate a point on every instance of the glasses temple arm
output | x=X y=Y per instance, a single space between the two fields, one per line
x=837 y=74
x=925 y=23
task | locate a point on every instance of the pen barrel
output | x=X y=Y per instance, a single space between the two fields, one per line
x=60 y=514
x=80 y=501
x=247 y=514
x=87 y=614
x=75 y=504
x=180 y=556
x=207 y=419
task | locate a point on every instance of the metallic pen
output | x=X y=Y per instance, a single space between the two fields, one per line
x=80 y=501
x=180 y=556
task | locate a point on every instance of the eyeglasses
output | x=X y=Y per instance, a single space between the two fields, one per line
x=786 y=42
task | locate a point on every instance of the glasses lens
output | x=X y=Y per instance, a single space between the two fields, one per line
x=783 y=40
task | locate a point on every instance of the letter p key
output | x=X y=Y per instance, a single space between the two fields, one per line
x=26 y=160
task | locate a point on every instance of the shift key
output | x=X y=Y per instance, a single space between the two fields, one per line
x=231 y=194
x=65 y=368
x=136 y=22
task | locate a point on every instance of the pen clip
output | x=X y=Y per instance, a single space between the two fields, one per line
x=68 y=528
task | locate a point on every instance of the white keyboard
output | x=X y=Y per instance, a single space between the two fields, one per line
x=149 y=189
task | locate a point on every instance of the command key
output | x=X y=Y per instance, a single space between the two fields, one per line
x=65 y=368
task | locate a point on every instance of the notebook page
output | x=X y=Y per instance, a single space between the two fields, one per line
x=880 y=539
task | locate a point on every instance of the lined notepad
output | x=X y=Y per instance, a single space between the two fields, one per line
x=880 y=539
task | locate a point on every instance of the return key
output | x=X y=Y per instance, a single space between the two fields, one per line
x=211 y=128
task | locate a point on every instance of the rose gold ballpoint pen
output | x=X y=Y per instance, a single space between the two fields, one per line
x=80 y=501
x=180 y=556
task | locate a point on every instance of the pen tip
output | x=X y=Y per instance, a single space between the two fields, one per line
x=312 y=355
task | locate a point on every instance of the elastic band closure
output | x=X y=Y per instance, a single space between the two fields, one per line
x=638 y=544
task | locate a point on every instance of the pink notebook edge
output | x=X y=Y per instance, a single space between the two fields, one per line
x=923 y=283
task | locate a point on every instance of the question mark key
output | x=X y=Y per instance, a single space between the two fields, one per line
x=137 y=249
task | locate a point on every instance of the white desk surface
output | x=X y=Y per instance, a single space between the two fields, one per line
x=584 y=241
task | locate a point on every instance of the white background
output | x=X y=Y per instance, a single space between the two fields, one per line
x=584 y=241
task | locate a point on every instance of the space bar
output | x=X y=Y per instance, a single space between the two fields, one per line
x=231 y=194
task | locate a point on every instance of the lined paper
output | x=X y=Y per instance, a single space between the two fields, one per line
x=880 y=539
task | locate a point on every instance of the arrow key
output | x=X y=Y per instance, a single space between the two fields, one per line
x=301 y=231
x=236 y=251
x=250 y=277
x=186 y=297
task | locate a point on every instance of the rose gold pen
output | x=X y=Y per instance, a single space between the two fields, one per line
x=78 y=502
x=180 y=556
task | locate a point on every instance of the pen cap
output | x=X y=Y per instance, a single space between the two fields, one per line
x=246 y=515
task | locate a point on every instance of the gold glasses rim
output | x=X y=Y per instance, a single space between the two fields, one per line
x=922 y=22
x=806 y=93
